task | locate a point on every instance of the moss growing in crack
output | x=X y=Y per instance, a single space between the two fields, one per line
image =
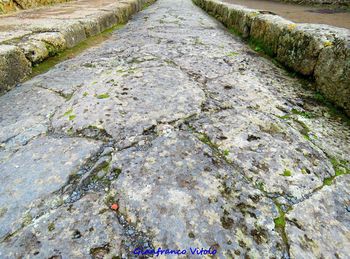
x=72 y=117
x=304 y=129
x=287 y=173
x=304 y=114
x=214 y=147
x=280 y=223
x=206 y=140
x=102 y=96
x=341 y=167
x=232 y=54
x=260 y=186
x=226 y=152
x=51 y=227
x=67 y=113
x=27 y=219
x=126 y=71
x=328 y=181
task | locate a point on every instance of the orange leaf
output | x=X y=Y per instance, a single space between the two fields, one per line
x=114 y=206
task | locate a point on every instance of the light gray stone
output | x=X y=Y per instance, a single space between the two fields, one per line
x=34 y=172
x=175 y=191
x=130 y=105
x=69 y=232
x=315 y=232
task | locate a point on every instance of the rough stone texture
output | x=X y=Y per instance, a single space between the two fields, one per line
x=200 y=141
x=252 y=146
x=214 y=206
x=311 y=220
x=45 y=32
x=14 y=66
x=30 y=116
x=313 y=50
x=80 y=235
x=130 y=106
x=34 y=172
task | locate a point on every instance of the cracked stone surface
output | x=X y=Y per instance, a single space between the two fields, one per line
x=201 y=141
x=214 y=206
x=310 y=233
x=35 y=171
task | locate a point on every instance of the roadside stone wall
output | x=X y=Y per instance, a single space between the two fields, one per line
x=318 y=51
x=11 y=5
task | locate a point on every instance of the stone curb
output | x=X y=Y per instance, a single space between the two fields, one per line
x=17 y=57
x=319 y=51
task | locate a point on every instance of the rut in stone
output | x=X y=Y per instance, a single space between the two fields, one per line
x=201 y=141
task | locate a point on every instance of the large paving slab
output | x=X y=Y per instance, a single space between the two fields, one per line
x=201 y=142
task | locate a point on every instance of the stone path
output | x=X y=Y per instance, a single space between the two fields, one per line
x=200 y=140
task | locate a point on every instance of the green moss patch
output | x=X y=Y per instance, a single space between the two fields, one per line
x=341 y=167
x=287 y=173
x=102 y=96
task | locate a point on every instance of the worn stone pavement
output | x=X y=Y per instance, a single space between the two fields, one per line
x=200 y=140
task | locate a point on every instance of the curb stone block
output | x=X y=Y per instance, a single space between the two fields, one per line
x=268 y=29
x=91 y=27
x=73 y=34
x=241 y=19
x=54 y=41
x=34 y=50
x=332 y=72
x=122 y=12
x=14 y=66
x=299 y=48
x=98 y=23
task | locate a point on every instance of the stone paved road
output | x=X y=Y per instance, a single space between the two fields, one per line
x=200 y=140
